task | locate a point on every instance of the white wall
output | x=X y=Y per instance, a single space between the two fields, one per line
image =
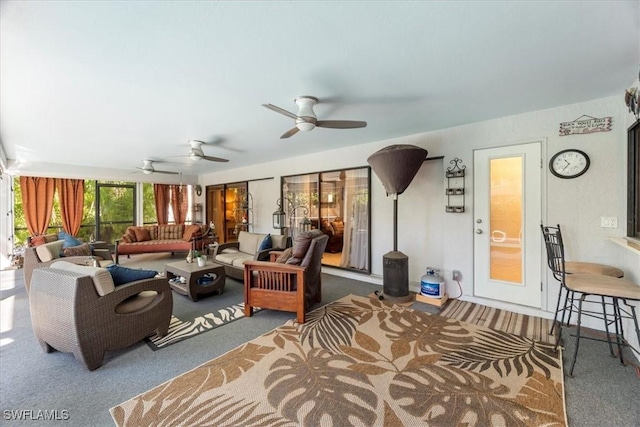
x=430 y=237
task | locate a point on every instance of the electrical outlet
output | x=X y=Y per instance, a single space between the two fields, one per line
x=609 y=221
x=456 y=275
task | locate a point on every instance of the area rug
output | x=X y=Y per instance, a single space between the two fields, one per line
x=532 y=327
x=357 y=361
x=180 y=330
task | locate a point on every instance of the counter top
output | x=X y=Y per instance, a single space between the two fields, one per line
x=632 y=245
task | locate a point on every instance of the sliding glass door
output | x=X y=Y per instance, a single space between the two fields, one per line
x=336 y=202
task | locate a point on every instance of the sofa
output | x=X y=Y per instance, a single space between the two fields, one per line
x=250 y=246
x=335 y=230
x=161 y=238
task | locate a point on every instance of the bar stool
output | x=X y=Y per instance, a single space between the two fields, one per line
x=577 y=267
x=602 y=286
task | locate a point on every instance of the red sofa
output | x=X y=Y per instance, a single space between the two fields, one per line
x=161 y=238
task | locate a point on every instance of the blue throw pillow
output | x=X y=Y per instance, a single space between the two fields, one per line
x=122 y=275
x=266 y=243
x=69 y=240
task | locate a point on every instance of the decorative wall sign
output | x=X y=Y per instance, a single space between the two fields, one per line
x=585 y=124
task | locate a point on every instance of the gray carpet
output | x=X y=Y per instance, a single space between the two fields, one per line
x=603 y=393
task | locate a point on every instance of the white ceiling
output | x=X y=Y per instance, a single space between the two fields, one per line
x=106 y=84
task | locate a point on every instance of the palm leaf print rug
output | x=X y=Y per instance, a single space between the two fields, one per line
x=180 y=330
x=359 y=361
x=532 y=327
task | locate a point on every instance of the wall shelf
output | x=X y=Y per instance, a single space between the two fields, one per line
x=455 y=190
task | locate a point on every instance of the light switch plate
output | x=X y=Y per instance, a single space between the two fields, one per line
x=609 y=222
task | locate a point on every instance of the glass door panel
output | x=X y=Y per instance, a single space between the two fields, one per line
x=115 y=210
x=337 y=203
x=506 y=218
x=216 y=211
x=300 y=201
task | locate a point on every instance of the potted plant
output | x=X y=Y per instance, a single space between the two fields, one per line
x=201 y=259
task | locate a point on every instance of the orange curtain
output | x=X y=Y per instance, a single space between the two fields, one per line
x=37 y=202
x=71 y=196
x=161 y=193
x=179 y=203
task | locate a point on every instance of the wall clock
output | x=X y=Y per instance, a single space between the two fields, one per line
x=569 y=163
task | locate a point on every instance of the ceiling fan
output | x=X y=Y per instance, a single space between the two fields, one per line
x=306 y=119
x=196 y=153
x=147 y=168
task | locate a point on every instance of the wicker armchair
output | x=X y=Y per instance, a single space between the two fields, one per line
x=32 y=261
x=292 y=286
x=69 y=314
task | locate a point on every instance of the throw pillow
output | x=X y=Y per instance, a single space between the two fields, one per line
x=41 y=239
x=301 y=245
x=191 y=231
x=293 y=261
x=122 y=275
x=266 y=243
x=68 y=239
x=126 y=238
x=338 y=226
x=142 y=234
x=49 y=251
x=284 y=256
x=79 y=250
x=131 y=234
x=170 y=232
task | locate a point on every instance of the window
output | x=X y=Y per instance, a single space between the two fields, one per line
x=633 y=181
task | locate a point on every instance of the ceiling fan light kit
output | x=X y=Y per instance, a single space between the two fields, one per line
x=306 y=117
x=148 y=169
x=196 y=154
x=306 y=120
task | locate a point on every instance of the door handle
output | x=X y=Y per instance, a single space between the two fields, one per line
x=478 y=231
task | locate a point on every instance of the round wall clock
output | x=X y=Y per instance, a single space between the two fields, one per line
x=569 y=163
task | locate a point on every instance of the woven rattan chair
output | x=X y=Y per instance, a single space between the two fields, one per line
x=603 y=287
x=32 y=261
x=287 y=287
x=69 y=314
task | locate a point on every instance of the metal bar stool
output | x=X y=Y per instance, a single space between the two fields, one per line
x=602 y=286
x=575 y=267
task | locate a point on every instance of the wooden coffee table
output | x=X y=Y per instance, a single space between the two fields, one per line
x=191 y=272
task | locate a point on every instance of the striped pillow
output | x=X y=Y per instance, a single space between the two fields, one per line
x=170 y=232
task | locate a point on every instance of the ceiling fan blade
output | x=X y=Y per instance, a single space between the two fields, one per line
x=341 y=124
x=166 y=172
x=289 y=133
x=280 y=110
x=215 y=159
